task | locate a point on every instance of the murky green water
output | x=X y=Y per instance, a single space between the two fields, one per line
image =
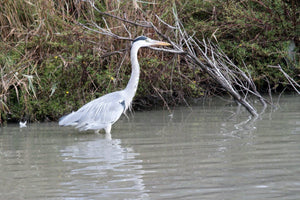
x=204 y=152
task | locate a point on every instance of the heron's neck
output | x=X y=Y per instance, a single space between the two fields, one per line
x=135 y=73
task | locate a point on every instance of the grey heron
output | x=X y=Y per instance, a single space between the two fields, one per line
x=103 y=112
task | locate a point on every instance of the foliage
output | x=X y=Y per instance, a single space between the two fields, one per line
x=50 y=65
x=256 y=32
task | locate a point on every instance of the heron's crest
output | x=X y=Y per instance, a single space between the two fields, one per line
x=139 y=38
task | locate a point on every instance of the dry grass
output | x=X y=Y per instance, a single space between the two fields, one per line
x=42 y=46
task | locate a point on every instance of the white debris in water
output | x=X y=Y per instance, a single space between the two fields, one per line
x=23 y=124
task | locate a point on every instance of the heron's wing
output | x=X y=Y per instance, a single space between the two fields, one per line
x=98 y=113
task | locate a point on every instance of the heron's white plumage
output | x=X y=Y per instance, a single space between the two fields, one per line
x=104 y=111
x=98 y=113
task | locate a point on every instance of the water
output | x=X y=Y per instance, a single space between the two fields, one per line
x=210 y=151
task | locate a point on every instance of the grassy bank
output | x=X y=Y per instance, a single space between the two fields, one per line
x=50 y=65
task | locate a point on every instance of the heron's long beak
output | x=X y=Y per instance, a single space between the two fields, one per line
x=160 y=43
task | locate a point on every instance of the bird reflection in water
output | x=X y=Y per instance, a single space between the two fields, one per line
x=105 y=169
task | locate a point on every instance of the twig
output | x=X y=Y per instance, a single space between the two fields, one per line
x=114 y=53
x=146 y=25
x=104 y=32
x=292 y=82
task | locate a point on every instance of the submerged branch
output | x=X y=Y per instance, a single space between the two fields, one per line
x=212 y=60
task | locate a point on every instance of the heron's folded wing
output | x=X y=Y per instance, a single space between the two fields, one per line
x=100 y=112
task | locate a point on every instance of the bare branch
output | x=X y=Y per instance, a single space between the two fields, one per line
x=104 y=32
x=146 y=24
x=168 y=50
x=292 y=82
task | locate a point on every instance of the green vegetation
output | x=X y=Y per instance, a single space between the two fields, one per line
x=50 y=65
x=257 y=32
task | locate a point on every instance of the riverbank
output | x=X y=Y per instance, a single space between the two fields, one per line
x=50 y=65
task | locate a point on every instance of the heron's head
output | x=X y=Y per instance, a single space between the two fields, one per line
x=143 y=41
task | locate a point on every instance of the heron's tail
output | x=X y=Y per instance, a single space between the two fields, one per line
x=69 y=120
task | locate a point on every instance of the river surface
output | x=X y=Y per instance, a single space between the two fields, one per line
x=213 y=150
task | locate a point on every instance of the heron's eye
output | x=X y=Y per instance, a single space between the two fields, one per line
x=148 y=40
